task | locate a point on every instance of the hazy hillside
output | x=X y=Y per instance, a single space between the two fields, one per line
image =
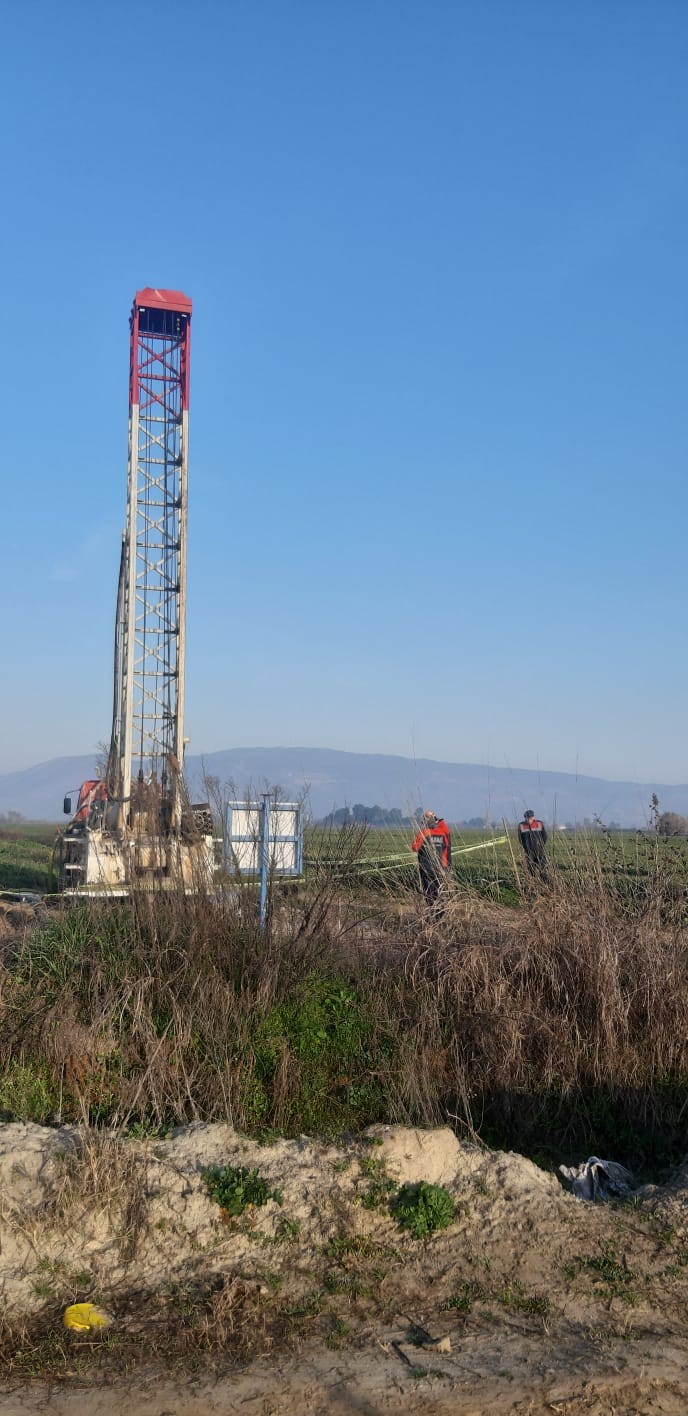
x=455 y=789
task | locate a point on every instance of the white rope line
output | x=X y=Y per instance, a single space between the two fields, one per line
x=379 y=863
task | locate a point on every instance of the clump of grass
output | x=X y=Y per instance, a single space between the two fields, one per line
x=462 y=1301
x=351 y=1284
x=234 y=1187
x=287 y=1230
x=514 y=1296
x=230 y=1318
x=27 y=1092
x=423 y=1209
x=340 y=1334
x=379 y=1191
x=607 y=1269
x=612 y=1272
x=99 y=1170
x=308 y=1307
x=360 y=1264
x=359 y=1246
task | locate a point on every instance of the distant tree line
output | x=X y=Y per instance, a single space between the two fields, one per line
x=360 y=815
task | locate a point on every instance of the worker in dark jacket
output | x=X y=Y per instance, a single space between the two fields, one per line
x=533 y=837
x=433 y=848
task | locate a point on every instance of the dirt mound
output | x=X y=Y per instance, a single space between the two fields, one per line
x=544 y=1299
x=65 y=1186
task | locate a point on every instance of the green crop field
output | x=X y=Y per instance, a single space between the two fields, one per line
x=491 y=862
x=379 y=859
x=25 y=855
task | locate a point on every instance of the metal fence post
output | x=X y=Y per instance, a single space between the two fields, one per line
x=264 y=858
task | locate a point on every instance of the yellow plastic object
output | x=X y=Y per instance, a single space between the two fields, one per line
x=83 y=1317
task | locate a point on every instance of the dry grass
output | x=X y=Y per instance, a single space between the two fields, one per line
x=101 y=1173
x=187 y=1325
x=569 y=997
x=564 y=1016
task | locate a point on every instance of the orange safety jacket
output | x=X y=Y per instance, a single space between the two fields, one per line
x=433 y=843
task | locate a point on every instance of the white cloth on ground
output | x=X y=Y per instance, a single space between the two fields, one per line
x=598 y=1179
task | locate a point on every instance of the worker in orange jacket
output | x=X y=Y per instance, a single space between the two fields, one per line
x=433 y=848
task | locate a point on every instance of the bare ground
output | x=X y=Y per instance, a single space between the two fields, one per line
x=322 y=1303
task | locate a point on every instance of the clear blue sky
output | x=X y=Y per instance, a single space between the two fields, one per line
x=437 y=253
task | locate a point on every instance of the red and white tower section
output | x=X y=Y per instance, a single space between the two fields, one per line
x=148 y=718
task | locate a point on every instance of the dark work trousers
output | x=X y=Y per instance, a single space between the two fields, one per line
x=537 y=865
x=432 y=876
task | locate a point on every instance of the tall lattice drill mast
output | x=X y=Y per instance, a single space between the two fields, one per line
x=148 y=713
x=133 y=825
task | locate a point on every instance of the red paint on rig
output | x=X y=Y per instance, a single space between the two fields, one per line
x=160 y=349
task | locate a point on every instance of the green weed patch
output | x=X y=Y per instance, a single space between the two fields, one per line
x=423 y=1209
x=235 y=1188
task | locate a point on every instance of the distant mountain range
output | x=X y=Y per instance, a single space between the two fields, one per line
x=456 y=790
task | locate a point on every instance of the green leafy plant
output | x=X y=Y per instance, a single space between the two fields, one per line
x=235 y=1187
x=147 y=1130
x=423 y=1209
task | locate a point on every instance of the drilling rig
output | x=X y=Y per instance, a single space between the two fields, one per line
x=134 y=825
